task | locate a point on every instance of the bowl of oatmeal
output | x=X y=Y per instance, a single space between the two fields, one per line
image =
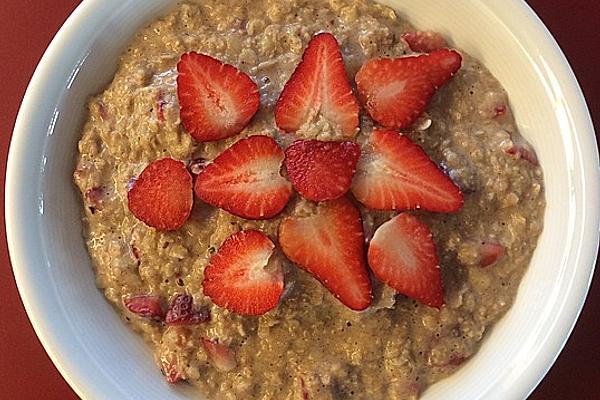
x=136 y=296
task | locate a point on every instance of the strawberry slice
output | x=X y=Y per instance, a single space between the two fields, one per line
x=241 y=277
x=402 y=255
x=396 y=91
x=321 y=170
x=490 y=251
x=520 y=149
x=396 y=174
x=221 y=356
x=330 y=245
x=245 y=179
x=303 y=389
x=216 y=100
x=147 y=306
x=170 y=369
x=524 y=152
x=499 y=111
x=319 y=85
x=424 y=41
x=162 y=196
x=95 y=197
x=182 y=312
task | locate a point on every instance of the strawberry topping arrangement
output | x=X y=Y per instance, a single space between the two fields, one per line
x=319 y=87
x=389 y=172
x=306 y=199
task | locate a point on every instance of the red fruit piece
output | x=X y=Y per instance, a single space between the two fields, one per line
x=499 y=110
x=160 y=108
x=216 y=100
x=241 y=277
x=102 y=110
x=95 y=197
x=330 y=245
x=523 y=150
x=245 y=179
x=162 y=196
x=321 y=170
x=147 y=306
x=396 y=91
x=424 y=42
x=303 y=389
x=221 y=356
x=490 y=251
x=135 y=254
x=402 y=255
x=396 y=174
x=171 y=370
x=182 y=311
x=457 y=359
x=319 y=85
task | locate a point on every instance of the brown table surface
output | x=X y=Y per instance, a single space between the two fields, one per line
x=27 y=27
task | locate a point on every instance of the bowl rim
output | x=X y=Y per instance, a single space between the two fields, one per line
x=580 y=120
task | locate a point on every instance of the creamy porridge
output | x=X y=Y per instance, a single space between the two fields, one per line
x=310 y=346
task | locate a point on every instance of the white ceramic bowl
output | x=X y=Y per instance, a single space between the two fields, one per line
x=102 y=359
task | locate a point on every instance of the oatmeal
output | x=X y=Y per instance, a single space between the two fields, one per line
x=310 y=345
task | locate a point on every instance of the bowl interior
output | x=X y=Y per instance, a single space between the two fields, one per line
x=98 y=354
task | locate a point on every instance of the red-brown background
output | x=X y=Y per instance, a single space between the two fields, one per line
x=26 y=28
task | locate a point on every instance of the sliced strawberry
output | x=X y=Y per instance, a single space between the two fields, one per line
x=526 y=153
x=402 y=255
x=303 y=389
x=522 y=150
x=490 y=251
x=499 y=110
x=147 y=306
x=182 y=311
x=396 y=91
x=319 y=85
x=135 y=254
x=102 y=110
x=171 y=370
x=330 y=245
x=321 y=170
x=424 y=41
x=216 y=100
x=162 y=195
x=396 y=174
x=173 y=352
x=160 y=108
x=245 y=179
x=95 y=198
x=221 y=356
x=240 y=276
x=457 y=359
